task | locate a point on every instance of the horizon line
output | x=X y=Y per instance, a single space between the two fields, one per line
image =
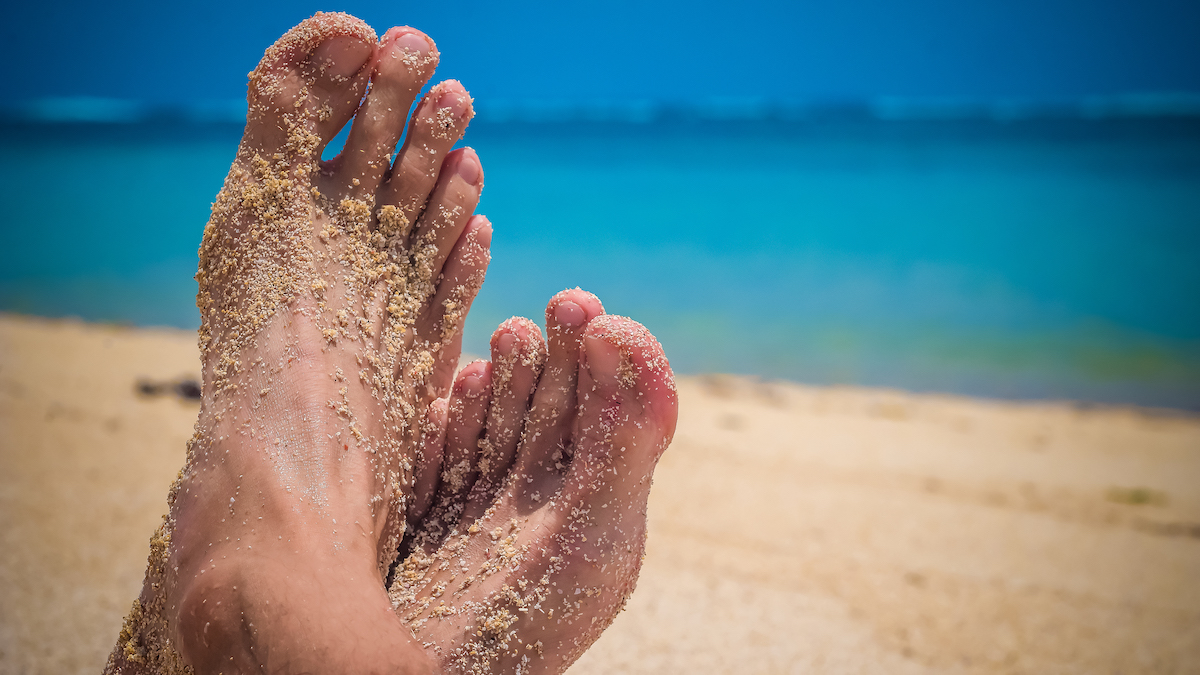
x=1167 y=104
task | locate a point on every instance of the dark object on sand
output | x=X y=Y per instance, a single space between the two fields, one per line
x=186 y=388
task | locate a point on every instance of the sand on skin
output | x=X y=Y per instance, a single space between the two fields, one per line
x=792 y=529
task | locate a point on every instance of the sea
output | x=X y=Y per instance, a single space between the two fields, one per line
x=1015 y=252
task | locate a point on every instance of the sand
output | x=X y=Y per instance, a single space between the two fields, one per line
x=792 y=528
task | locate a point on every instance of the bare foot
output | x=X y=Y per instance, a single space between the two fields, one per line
x=533 y=540
x=332 y=296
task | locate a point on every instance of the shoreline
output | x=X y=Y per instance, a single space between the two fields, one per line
x=840 y=529
x=1081 y=404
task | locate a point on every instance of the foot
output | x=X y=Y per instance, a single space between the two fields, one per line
x=533 y=539
x=332 y=296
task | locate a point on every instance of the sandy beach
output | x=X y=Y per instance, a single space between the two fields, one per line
x=792 y=528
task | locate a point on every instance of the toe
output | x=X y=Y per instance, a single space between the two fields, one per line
x=440 y=498
x=429 y=461
x=338 y=71
x=627 y=410
x=450 y=206
x=518 y=354
x=404 y=61
x=469 y=401
x=460 y=282
x=545 y=445
x=437 y=124
x=308 y=84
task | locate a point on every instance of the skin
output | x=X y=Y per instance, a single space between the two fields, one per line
x=342 y=483
x=528 y=555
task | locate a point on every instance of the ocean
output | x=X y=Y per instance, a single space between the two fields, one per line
x=1045 y=257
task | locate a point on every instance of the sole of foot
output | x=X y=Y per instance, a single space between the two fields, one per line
x=535 y=534
x=332 y=296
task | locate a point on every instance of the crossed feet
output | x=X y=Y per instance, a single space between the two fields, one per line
x=348 y=503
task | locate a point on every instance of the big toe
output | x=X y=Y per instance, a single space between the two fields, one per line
x=628 y=408
x=308 y=85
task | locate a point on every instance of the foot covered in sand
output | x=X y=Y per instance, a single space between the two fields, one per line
x=332 y=296
x=532 y=539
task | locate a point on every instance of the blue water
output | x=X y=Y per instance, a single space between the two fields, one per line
x=1044 y=258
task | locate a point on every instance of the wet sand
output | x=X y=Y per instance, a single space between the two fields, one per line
x=792 y=529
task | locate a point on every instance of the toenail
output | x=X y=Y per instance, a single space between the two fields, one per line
x=605 y=362
x=411 y=42
x=473 y=386
x=341 y=56
x=569 y=315
x=506 y=344
x=468 y=168
x=454 y=101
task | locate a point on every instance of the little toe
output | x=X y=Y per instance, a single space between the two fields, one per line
x=627 y=412
x=404 y=62
x=308 y=84
x=438 y=123
x=430 y=454
x=470 y=398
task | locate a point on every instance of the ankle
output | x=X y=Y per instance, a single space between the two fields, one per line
x=298 y=489
x=210 y=624
x=297 y=614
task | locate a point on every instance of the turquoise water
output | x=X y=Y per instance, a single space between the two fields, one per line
x=1054 y=258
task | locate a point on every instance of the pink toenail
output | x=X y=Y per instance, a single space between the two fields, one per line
x=603 y=361
x=341 y=56
x=454 y=101
x=569 y=315
x=506 y=344
x=411 y=42
x=473 y=386
x=468 y=168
